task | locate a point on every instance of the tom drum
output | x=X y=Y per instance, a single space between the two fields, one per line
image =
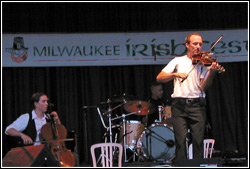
x=133 y=130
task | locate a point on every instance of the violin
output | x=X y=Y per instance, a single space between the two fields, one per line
x=54 y=134
x=206 y=60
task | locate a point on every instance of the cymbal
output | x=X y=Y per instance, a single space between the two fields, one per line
x=134 y=106
x=122 y=98
x=108 y=103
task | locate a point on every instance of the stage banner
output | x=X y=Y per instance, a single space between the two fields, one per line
x=114 y=49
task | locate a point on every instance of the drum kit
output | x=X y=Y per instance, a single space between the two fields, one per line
x=154 y=143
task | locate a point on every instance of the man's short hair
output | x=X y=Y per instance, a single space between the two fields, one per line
x=155 y=84
x=36 y=97
x=187 y=39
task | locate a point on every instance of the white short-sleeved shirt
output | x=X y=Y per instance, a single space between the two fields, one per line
x=190 y=87
x=21 y=123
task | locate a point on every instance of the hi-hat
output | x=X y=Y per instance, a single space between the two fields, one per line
x=142 y=107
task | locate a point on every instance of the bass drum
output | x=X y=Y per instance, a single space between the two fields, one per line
x=157 y=143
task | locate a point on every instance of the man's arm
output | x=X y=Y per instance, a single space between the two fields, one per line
x=13 y=132
x=206 y=83
x=166 y=77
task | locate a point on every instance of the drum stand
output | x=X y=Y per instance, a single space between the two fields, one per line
x=109 y=112
x=100 y=157
x=125 y=135
x=124 y=140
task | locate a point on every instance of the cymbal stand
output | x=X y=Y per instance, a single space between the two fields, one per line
x=100 y=157
x=124 y=115
x=100 y=114
x=124 y=139
x=103 y=123
x=125 y=135
x=110 y=124
x=109 y=112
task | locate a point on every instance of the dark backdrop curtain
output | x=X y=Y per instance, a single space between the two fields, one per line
x=71 y=88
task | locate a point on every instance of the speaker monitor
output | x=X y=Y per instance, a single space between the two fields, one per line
x=208 y=162
x=36 y=155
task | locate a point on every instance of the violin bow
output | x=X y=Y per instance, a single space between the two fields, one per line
x=215 y=43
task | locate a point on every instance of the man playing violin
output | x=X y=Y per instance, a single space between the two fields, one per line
x=188 y=98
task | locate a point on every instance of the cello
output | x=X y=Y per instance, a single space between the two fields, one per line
x=54 y=135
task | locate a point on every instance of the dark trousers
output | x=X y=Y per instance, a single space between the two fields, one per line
x=189 y=114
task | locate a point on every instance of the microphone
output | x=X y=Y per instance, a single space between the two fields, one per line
x=148 y=132
x=50 y=105
x=49 y=109
x=170 y=143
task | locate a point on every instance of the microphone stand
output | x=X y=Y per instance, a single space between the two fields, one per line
x=110 y=125
x=160 y=138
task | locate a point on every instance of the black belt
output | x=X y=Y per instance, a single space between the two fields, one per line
x=189 y=100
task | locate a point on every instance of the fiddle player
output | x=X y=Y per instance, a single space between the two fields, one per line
x=188 y=98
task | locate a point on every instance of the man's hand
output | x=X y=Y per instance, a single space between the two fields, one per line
x=26 y=139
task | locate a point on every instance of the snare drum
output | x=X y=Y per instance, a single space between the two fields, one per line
x=157 y=143
x=133 y=130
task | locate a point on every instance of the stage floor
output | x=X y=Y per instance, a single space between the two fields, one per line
x=213 y=162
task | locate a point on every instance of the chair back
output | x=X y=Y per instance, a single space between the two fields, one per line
x=108 y=150
x=208 y=147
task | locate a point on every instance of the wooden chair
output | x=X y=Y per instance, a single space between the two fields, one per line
x=108 y=151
